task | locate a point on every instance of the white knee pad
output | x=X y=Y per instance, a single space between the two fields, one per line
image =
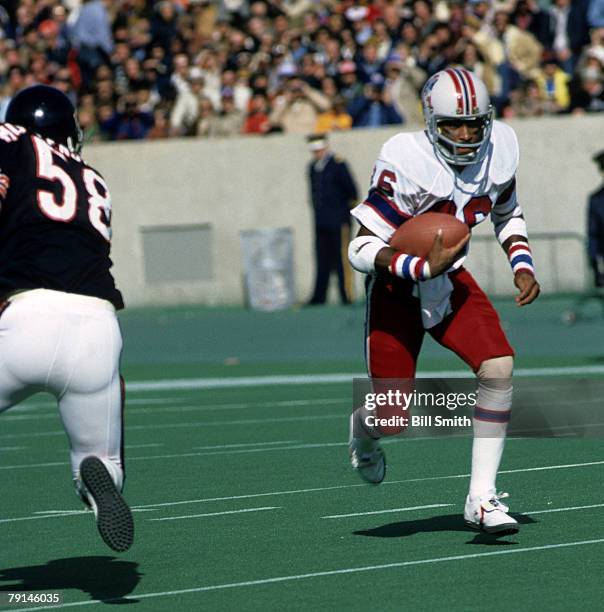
x=495 y=383
x=498 y=368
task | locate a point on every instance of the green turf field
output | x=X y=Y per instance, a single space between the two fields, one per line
x=238 y=475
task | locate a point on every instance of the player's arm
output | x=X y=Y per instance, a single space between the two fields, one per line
x=518 y=252
x=368 y=253
x=389 y=203
x=511 y=231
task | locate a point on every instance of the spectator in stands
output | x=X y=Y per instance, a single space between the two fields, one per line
x=529 y=16
x=128 y=124
x=91 y=36
x=205 y=117
x=113 y=49
x=297 y=109
x=229 y=120
x=404 y=80
x=374 y=108
x=91 y=132
x=257 y=120
x=163 y=25
x=587 y=88
x=553 y=85
x=336 y=118
x=514 y=53
x=15 y=82
x=570 y=31
x=350 y=86
x=473 y=60
x=161 y=125
x=183 y=118
x=369 y=63
x=526 y=101
x=595 y=14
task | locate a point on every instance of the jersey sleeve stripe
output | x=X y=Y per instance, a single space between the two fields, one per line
x=506 y=194
x=386 y=209
x=368 y=216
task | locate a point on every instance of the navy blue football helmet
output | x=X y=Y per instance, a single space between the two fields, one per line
x=48 y=112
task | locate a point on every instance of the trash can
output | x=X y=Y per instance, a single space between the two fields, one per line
x=268 y=268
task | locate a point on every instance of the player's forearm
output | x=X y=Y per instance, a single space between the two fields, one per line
x=368 y=254
x=519 y=254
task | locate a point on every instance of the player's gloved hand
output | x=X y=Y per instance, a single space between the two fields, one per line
x=528 y=286
x=440 y=258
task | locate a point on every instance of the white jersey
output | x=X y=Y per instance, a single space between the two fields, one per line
x=410 y=178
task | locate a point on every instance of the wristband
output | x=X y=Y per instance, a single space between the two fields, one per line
x=409 y=267
x=521 y=258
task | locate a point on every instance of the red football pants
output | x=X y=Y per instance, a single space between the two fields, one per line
x=395 y=331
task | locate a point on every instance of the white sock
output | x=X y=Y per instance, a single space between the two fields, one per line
x=359 y=428
x=491 y=417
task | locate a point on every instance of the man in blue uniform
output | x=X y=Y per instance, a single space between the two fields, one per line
x=332 y=191
x=595 y=226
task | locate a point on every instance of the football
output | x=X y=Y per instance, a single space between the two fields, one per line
x=416 y=236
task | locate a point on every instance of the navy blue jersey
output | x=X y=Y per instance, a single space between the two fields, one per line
x=55 y=219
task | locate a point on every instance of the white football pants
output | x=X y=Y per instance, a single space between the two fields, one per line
x=68 y=345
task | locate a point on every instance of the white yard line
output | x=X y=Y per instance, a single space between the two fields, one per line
x=568 y=509
x=334 y=572
x=189 y=516
x=408 y=509
x=187 y=425
x=352 y=486
x=313 y=379
x=246 y=445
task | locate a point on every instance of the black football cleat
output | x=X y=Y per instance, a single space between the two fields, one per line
x=113 y=516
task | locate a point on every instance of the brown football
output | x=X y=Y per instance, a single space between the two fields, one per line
x=416 y=236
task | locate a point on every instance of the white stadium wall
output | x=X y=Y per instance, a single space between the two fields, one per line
x=179 y=207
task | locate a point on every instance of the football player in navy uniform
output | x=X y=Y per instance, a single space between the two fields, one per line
x=58 y=327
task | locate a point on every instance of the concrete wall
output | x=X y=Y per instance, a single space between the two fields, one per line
x=249 y=183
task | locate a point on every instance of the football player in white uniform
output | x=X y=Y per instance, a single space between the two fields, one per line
x=463 y=164
x=58 y=328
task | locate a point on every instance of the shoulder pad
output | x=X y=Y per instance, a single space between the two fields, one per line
x=505 y=153
x=412 y=154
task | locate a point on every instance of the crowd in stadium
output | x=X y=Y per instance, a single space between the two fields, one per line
x=141 y=69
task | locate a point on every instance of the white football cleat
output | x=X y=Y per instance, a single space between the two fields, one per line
x=366 y=456
x=489 y=514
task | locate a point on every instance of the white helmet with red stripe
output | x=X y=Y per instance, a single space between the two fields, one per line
x=457 y=94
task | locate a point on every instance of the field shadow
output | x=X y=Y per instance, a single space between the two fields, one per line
x=104 y=578
x=447 y=522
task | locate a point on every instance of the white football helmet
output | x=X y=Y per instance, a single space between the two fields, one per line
x=456 y=93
